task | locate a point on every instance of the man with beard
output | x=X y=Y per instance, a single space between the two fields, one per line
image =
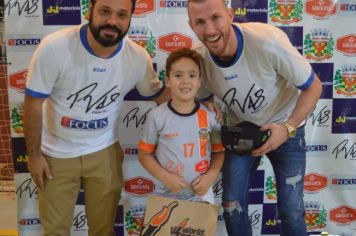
x=76 y=83
x=255 y=70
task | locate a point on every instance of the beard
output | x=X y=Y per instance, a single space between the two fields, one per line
x=106 y=40
x=222 y=50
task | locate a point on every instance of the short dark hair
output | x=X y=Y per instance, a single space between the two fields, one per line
x=132 y=1
x=182 y=53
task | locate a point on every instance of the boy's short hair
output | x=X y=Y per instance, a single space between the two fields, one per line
x=182 y=53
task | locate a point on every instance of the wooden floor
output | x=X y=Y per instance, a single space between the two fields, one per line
x=8 y=218
x=8 y=233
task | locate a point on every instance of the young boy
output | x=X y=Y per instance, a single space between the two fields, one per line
x=180 y=143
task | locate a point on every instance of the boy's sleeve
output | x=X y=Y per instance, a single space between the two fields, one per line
x=149 y=135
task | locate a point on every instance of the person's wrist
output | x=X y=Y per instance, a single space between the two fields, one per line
x=291 y=130
x=165 y=175
x=212 y=175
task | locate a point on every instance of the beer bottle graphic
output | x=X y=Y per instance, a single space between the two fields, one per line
x=158 y=220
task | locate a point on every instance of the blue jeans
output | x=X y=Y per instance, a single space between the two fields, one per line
x=288 y=162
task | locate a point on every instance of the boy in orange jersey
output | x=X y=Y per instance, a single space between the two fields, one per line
x=180 y=143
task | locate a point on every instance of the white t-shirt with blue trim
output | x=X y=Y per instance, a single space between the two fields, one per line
x=83 y=92
x=263 y=82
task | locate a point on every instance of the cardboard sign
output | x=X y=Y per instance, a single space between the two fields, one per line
x=172 y=217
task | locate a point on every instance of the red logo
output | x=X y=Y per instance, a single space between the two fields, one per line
x=18 y=80
x=313 y=182
x=144 y=7
x=347 y=44
x=321 y=8
x=131 y=151
x=32 y=221
x=173 y=41
x=343 y=215
x=139 y=186
x=11 y=42
x=202 y=166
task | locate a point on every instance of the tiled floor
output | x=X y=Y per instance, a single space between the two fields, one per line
x=8 y=224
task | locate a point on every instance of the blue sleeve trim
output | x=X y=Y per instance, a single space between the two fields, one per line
x=207 y=98
x=240 y=48
x=154 y=95
x=35 y=94
x=308 y=83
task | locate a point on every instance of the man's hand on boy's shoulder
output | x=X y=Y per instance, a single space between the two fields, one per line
x=212 y=107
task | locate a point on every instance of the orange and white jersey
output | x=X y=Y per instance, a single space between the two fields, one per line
x=182 y=143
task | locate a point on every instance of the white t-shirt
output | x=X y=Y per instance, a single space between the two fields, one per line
x=262 y=83
x=84 y=92
x=182 y=144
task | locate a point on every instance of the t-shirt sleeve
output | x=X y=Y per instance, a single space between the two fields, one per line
x=149 y=135
x=215 y=133
x=289 y=63
x=43 y=71
x=149 y=85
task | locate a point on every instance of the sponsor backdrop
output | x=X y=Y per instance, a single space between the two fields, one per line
x=322 y=30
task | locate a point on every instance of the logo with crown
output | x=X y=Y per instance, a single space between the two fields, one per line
x=143 y=37
x=134 y=219
x=345 y=80
x=271 y=189
x=319 y=45
x=286 y=11
x=315 y=215
x=203 y=134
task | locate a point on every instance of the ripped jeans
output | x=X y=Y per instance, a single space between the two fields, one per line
x=288 y=162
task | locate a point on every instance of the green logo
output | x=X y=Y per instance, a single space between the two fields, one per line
x=203 y=134
x=134 y=220
x=85 y=8
x=271 y=190
x=318 y=45
x=151 y=45
x=286 y=12
x=315 y=218
x=144 y=38
x=16 y=119
x=162 y=76
x=344 y=80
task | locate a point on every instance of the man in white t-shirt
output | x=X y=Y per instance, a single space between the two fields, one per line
x=261 y=77
x=76 y=83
